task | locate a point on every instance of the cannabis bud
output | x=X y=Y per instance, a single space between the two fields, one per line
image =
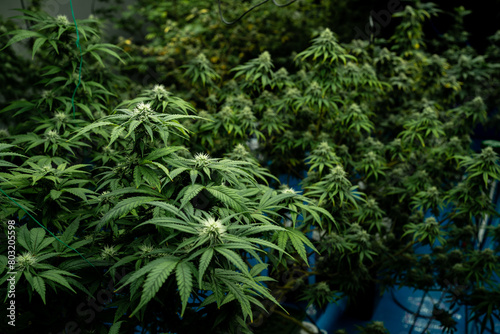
x=26 y=260
x=213 y=228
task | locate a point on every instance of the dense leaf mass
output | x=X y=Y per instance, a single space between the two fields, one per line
x=158 y=203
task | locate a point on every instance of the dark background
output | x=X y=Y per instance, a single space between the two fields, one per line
x=483 y=22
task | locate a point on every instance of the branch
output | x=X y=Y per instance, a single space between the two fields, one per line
x=252 y=8
x=241 y=16
x=295 y=321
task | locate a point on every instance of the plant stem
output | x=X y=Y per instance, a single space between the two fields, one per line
x=295 y=321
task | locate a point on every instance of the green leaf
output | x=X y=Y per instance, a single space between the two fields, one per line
x=85 y=109
x=141 y=272
x=20 y=35
x=227 y=196
x=234 y=258
x=135 y=286
x=298 y=245
x=161 y=152
x=38 y=43
x=156 y=277
x=69 y=232
x=115 y=329
x=54 y=275
x=258 y=268
x=267 y=244
x=137 y=176
x=237 y=292
x=172 y=223
x=132 y=126
x=204 y=263
x=128 y=190
x=106 y=48
x=21 y=105
x=282 y=239
x=3 y=263
x=39 y=286
x=167 y=207
x=163 y=168
x=150 y=176
x=36 y=238
x=492 y=143
x=23 y=237
x=262 y=228
x=124 y=207
x=90 y=127
x=55 y=194
x=79 y=192
x=115 y=134
x=121 y=310
x=312 y=210
x=193 y=173
x=190 y=193
x=184 y=283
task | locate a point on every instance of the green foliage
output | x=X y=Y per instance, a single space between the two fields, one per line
x=144 y=203
x=175 y=186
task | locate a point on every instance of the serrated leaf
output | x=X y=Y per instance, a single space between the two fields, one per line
x=121 y=310
x=73 y=265
x=3 y=263
x=55 y=194
x=282 y=240
x=150 y=176
x=193 y=174
x=132 y=126
x=163 y=168
x=45 y=242
x=115 y=329
x=20 y=35
x=135 y=286
x=258 y=268
x=167 y=207
x=204 y=263
x=227 y=196
x=90 y=127
x=299 y=246
x=125 y=206
x=161 y=152
x=86 y=110
x=190 y=193
x=79 y=192
x=262 y=228
x=144 y=270
x=184 y=283
x=137 y=176
x=38 y=43
x=156 y=277
x=217 y=289
x=23 y=238
x=54 y=276
x=21 y=105
x=39 y=286
x=36 y=237
x=237 y=292
x=115 y=134
x=69 y=232
x=172 y=223
x=234 y=258
x=267 y=244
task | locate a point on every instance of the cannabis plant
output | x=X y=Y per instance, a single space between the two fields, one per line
x=158 y=203
x=117 y=192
